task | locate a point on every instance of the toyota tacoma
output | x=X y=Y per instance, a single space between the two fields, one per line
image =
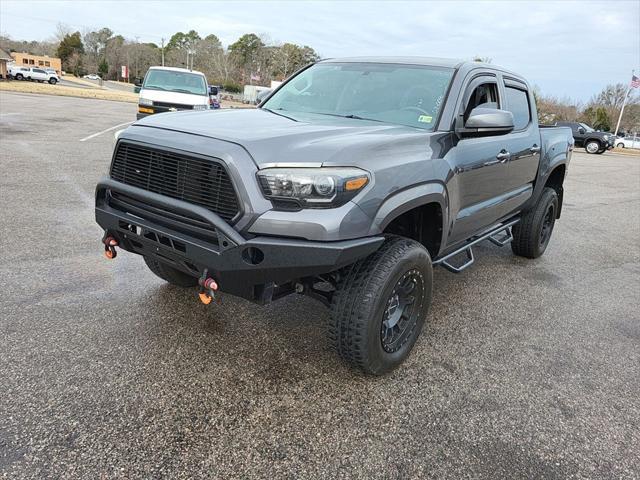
x=349 y=183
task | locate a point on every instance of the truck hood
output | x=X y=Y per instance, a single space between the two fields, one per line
x=298 y=138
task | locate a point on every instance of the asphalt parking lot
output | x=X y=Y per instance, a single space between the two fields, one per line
x=526 y=369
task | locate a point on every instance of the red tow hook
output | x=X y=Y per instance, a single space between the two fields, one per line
x=110 y=245
x=208 y=287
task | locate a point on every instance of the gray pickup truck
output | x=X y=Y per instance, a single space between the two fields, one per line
x=349 y=183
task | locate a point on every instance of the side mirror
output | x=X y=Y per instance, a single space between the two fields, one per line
x=487 y=121
x=581 y=130
x=136 y=89
x=137 y=82
x=213 y=91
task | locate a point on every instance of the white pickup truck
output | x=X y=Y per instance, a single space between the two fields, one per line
x=32 y=73
x=168 y=89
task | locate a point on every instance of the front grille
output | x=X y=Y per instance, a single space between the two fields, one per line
x=167 y=105
x=200 y=181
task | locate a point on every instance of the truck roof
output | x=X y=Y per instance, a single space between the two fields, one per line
x=176 y=69
x=455 y=63
x=433 y=61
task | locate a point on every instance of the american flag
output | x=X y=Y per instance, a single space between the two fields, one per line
x=635 y=82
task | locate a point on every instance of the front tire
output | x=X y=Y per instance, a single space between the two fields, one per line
x=592 y=146
x=170 y=274
x=53 y=81
x=620 y=145
x=532 y=234
x=19 y=76
x=380 y=306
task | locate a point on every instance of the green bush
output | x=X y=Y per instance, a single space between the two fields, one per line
x=232 y=87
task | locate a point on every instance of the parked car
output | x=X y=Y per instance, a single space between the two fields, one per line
x=628 y=142
x=92 y=76
x=332 y=190
x=168 y=89
x=16 y=71
x=34 y=74
x=588 y=138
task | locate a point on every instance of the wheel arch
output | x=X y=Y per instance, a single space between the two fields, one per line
x=419 y=212
x=555 y=180
x=593 y=139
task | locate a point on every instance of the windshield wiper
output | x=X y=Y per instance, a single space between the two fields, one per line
x=153 y=87
x=351 y=115
x=182 y=90
x=277 y=113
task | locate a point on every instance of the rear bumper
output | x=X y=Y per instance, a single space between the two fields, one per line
x=246 y=267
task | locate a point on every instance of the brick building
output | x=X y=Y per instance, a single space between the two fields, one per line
x=4 y=59
x=39 y=61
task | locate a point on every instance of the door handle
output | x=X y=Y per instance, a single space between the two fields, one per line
x=534 y=149
x=503 y=156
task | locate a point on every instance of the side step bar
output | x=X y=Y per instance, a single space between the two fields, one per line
x=492 y=235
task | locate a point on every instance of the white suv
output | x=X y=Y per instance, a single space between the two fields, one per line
x=628 y=142
x=32 y=73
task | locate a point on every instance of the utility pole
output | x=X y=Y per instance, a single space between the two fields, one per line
x=624 y=102
x=163 y=52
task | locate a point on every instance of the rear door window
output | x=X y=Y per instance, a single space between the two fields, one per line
x=518 y=105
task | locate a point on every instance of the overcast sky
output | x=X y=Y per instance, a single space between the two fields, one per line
x=567 y=48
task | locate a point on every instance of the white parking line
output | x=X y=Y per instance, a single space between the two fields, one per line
x=105 y=131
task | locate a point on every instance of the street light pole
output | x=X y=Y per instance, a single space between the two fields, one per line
x=624 y=102
x=163 y=52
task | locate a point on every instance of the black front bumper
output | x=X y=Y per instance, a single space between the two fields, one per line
x=245 y=267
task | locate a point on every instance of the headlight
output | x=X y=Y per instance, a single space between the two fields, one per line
x=295 y=188
x=200 y=107
x=145 y=101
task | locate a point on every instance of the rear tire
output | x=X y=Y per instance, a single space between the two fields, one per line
x=19 y=76
x=620 y=145
x=380 y=306
x=170 y=274
x=593 y=146
x=532 y=234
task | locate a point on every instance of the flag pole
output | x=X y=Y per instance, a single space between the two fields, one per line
x=624 y=102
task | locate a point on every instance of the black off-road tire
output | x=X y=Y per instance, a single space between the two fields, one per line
x=592 y=146
x=170 y=274
x=362 y=303
x=532 y=234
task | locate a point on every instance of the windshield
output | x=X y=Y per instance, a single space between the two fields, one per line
x=587 y=127
x=182 y=82
x=409 y=95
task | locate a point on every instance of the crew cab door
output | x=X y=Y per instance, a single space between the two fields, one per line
x=477 y=190
x=38 y=74
x=523 y=143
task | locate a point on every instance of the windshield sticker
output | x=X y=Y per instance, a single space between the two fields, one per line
x=425 y=118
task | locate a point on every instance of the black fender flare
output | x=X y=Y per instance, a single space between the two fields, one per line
x=409 y=198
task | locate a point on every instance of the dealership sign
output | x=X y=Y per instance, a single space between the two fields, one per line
x=125 y=72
